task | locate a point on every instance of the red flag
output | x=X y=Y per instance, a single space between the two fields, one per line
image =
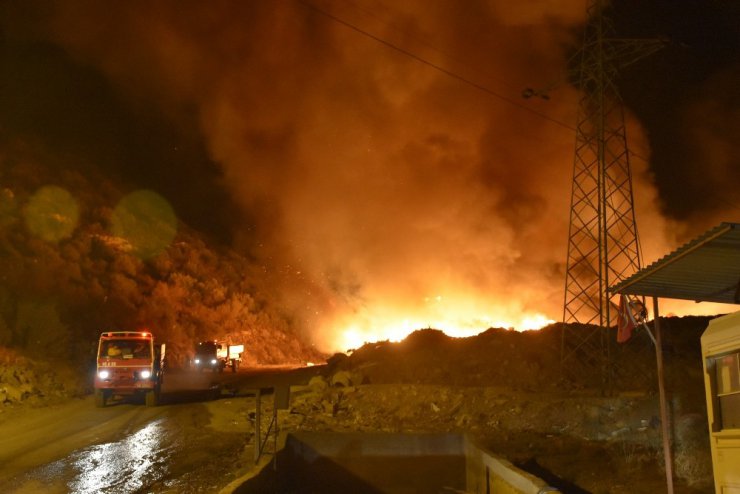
x=625 y=321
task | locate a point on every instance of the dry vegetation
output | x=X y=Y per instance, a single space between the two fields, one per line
x=56 y=297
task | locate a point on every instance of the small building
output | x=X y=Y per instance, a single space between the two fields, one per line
x=720 y=350
x=706 y=269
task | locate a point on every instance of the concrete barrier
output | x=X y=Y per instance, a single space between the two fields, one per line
x=389 y=463
x=486 y=473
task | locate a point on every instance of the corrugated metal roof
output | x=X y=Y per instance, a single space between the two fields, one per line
x=706 y=269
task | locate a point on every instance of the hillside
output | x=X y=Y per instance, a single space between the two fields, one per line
x=75 y=262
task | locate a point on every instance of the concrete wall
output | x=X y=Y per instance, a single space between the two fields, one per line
x=369 y=463
x=487 y=474
x=397 y=464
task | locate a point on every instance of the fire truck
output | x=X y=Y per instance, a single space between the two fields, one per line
x=129 y=363
x=217 y=355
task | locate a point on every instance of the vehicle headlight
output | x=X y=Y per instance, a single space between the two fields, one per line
x=145 y=374
x=197 y=361
x=103 y=374
x=213 y=361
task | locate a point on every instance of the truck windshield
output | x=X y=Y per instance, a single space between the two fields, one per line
x=125 y=349
x=206 y=348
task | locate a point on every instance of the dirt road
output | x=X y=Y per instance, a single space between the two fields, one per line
x=59 y=449
x=191 y=443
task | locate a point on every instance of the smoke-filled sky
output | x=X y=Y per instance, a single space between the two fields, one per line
x=377 y=157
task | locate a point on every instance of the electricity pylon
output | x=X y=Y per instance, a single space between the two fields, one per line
x=603 y=245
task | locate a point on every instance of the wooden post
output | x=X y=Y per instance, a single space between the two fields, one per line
x=665 y=424
x=275 y=432
x=257 y=426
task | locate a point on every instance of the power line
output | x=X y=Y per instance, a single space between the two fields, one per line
x=424 y=41
x=455 y=75
x=439 y=68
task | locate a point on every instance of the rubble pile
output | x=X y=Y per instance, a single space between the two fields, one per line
x=505 y=389
x=476 y=410
x=28 y=382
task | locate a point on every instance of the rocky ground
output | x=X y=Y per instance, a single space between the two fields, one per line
x=506 y=390
x=502 y=388
x=31 y=382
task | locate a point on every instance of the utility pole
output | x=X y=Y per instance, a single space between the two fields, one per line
x=603 y=245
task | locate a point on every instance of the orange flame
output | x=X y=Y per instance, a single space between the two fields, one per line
x=454 y=317
x=460 y=317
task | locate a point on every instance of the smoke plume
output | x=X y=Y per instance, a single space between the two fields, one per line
x=378 y=191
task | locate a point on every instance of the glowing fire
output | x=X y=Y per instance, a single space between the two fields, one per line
x=392 y=317
x=456 y=318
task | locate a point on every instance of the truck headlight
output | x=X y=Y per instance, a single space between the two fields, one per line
x=213 y=361
x=197 y=361
x=103 y=374
x=145 y=374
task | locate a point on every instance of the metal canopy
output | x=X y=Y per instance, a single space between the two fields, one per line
x=706 y=269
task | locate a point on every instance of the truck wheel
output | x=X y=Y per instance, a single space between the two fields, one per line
x=151 y=398
x=100 y=398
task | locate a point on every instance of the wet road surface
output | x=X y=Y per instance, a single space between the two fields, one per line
x=131 y=448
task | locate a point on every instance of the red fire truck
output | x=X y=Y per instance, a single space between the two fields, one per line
x=129 y=363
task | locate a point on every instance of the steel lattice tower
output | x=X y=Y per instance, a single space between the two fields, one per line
x=603 y=246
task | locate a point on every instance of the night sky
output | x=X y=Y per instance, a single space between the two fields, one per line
x=321 y=138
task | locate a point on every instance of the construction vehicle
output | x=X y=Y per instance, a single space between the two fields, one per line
x=129 y=363
x=217 y=355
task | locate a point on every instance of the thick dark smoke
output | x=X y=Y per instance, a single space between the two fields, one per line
x=374 y=188
x=684 y=96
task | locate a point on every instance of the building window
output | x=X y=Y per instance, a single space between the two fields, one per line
x=728 y=390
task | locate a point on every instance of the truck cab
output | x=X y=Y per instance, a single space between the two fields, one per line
x=217 y=355
x=129 y=363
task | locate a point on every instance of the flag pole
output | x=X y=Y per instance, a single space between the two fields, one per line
x=663 y=402
x=650 y=333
